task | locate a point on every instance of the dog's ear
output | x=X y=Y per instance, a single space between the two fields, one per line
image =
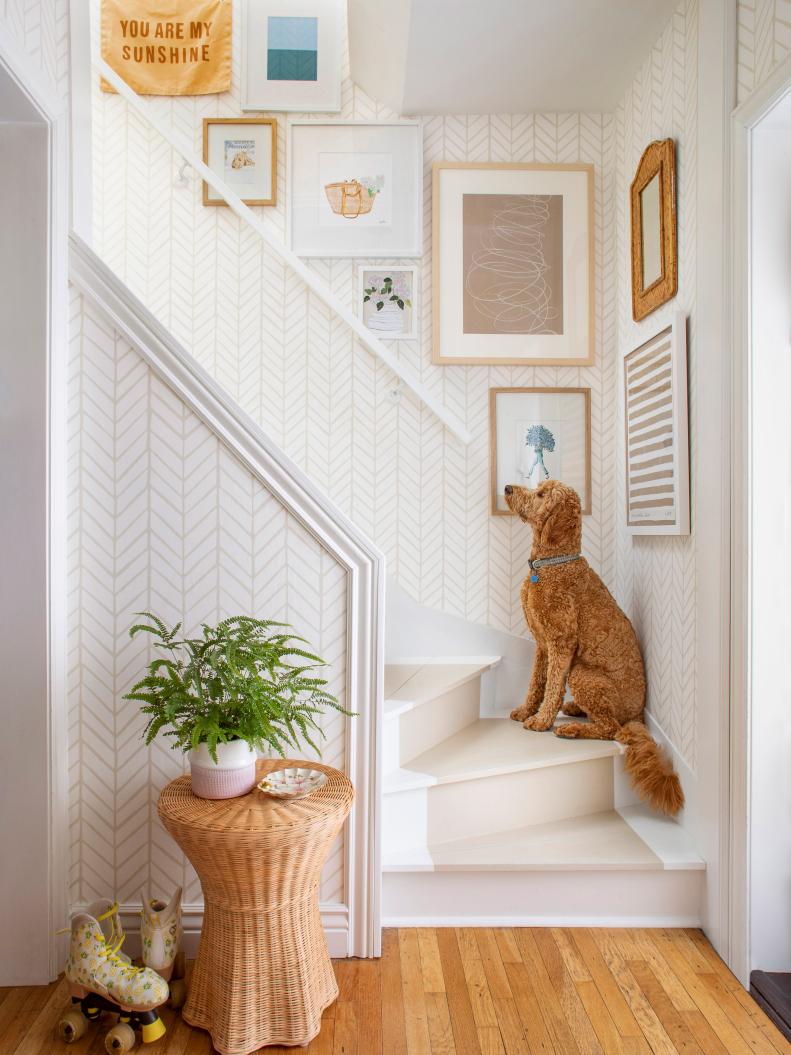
x=562 y=525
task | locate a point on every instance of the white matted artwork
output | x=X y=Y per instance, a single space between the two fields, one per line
x=657 y=440
x=513 y=264
x=539 y=434
x=355 y=188
x=243 y=152
x=292 y=55
x=387 y=301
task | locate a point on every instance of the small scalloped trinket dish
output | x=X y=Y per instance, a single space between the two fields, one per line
x=291 y=783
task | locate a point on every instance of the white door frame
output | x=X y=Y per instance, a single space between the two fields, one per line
x=44 y=98
x=743 y=122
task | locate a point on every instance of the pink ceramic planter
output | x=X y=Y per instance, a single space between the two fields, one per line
x=233 y=774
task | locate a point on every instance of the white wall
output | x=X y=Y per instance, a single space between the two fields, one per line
x=24 y=645
x=770 y=806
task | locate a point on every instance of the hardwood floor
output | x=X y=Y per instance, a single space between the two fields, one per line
x=489 y=992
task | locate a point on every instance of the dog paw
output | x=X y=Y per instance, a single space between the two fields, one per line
x=569 y=730
x=518 y=714
x=537 y=723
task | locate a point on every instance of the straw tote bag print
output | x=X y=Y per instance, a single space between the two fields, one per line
x=169 y=47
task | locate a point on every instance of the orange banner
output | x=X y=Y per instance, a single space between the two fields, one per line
x=181 y=47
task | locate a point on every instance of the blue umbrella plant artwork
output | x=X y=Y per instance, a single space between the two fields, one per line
x=538 y=439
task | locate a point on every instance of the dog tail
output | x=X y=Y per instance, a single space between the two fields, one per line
x=650 y=770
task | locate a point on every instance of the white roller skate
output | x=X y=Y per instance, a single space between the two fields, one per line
x=102 y=978
x=160 y=939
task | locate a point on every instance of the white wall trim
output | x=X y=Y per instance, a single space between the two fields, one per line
x=363 y=561
x=314 y=283
x=743 y=121
x=542 y=921
x=711 y=527
x=43 y=96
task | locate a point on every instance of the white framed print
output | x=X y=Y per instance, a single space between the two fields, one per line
x=657 y=433
x=537 y=434
x=243 y=151
x=387 y=301
x=355 y=188
x=513 y=264
x=292 y=53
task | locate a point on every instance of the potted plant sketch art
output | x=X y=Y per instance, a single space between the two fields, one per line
x=540 y=439
x=389 y=299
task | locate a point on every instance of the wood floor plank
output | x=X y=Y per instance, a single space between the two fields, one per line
x=575 y=965
x=480 y=997
x=493 y=965
x=465 y=1036
x=699 y=1027
x=620 y=1012
x=647 y=950
x=430 y=964
x=573 y=1008
x=600 y=1019
x=652 y=1028
x=415 y=1014
x=440 y=1030
x=346 y=1024
x=723 y=1028
x=393 y=1020
x=507 y=944
x=511 y=1030
x=538 y=1039
x=761 y=1019
x=490 y=1041
x=664 y=1008
x=746 y=1023
x=699 y=940
x=468 y=943
x=551 y=1010
x=21 y=1014
x=43 y=1026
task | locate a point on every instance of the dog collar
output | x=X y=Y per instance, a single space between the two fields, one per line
x=548 y=562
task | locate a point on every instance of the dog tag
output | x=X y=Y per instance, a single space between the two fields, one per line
x=534 y=577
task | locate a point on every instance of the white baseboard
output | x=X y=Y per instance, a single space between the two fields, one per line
x=542 y=921
x=334 y=916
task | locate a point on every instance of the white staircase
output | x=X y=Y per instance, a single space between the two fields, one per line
x=487 y=823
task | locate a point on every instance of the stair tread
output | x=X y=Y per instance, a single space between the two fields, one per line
x=593 y=842
x=410 y=682
x=491 y=747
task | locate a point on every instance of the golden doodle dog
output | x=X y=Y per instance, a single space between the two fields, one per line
x=583 y=639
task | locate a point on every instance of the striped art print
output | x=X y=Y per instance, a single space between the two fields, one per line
x=657 y=446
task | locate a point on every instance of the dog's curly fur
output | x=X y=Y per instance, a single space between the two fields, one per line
x=584 y=639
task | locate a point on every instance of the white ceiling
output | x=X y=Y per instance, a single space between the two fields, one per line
x=501 y=56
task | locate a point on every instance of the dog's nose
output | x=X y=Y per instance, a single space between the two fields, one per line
x=509 y=489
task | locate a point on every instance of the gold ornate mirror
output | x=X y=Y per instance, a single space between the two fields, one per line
x=654 y=247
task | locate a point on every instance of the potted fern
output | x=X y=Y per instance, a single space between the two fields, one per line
x=245 y=685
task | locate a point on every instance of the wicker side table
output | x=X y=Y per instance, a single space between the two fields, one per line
x=263 y=974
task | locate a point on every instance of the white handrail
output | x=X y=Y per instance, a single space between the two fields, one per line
x=310 y=278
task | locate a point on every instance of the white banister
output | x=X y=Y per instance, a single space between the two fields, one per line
x=314 y=283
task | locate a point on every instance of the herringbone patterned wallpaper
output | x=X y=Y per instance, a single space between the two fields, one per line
x=764 y=39
x=163 y=518
x=41 y=28
x=656 y=576
x=385 y=460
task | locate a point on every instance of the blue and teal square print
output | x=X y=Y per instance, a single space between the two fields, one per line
x=292 y=46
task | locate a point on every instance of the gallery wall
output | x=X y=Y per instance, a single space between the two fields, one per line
x=419 y=493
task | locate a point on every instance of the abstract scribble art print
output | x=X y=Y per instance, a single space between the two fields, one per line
x=513 y=258
x=513 y=263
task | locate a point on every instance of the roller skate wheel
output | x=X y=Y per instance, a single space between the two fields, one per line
x=72 y=1026
x=120 y=1039
x=178 y=992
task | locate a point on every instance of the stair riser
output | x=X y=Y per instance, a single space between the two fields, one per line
x=584 y=899
x=409 y=734
x=442 y=812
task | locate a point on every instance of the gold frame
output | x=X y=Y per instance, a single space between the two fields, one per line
x=241 y=121
x=446 y=360
x=659 y=158
x=587 y=498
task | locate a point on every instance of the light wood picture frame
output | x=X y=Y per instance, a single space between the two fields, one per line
x=654 y=235
x=247 y=160
x=513 y=264
x=562 y=417
x=657 y=433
